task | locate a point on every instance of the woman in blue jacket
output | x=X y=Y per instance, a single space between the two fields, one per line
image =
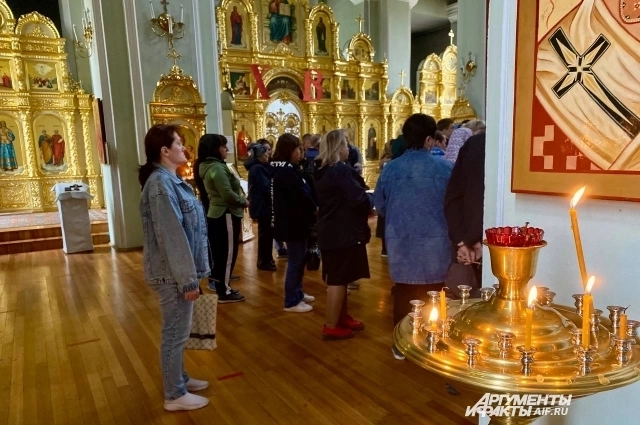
x=175 y=257
x=260 y=173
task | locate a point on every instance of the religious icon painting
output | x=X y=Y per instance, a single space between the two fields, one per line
x=361 y=51
x=240 y=83
x=348 y=89
x=42 y=76
x=188 y=137
x=284 y=83
x=51 y=144
x=244 y=135
x=11 y=147
x=6 y=79
x=280 y=23
x=577 y=118
x=324 y=125
x=350 y=127
x=372 y=130
x=238 y=26
x=326 y=89
x=371 y=90
x=321 y=34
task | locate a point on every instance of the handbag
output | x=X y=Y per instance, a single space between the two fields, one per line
x=313 y=258
x=203 y=324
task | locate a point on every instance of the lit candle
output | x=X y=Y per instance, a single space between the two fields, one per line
x=153 y=13
x=443 y=305
x=576 y=234
x=75 y=35
x=533 y=295
x=587 y=308
x=182 y=13
x=622 y=332
x=433 y=318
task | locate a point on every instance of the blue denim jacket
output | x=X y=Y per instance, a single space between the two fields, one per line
x=175 y=232
x=410 y=196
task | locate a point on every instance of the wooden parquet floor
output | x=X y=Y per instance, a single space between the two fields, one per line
x=79 y=338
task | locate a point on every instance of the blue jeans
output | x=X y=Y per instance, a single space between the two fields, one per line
x=295 y=271
x=176 y=327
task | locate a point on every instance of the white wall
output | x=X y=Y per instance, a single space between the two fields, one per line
x=471 y=37
x=609 y=230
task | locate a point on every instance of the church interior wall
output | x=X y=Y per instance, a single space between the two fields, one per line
x=610 y=259
x=471 y=37
x=422 y=45
x=346 y=13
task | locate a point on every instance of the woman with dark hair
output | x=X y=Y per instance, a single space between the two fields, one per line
x=175 y=257
x=343 y=232
x=293 y=218
x=260 y=173
x=224 y=216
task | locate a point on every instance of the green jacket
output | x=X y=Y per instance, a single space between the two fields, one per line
x=223 y=189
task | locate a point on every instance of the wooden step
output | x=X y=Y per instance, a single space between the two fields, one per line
x=43 y=238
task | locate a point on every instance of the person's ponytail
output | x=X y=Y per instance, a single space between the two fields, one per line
x=144 y=172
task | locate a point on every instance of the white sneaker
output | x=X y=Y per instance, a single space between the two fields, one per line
x=186 y=402
x=308 y=298
x=353 y=285
x=194 y=385
x=300 y=308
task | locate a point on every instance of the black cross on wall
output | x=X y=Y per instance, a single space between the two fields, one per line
x=580 y=71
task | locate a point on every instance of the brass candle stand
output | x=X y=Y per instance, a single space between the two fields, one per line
x=474 y=346
x=167 y=25
x=84 y=48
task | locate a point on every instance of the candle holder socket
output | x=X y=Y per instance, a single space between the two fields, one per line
x=446 y=327
x=585 y=357
x=578 y=302
x=594 y=319
x=547 y=299
x=416 y=306
x=632 y=328
x=541 y=291
x=486 y=293
x=623 y=349
x=526 y=359
x=434 y=296
x=465 y=292
x=432 y=339
x=505 y=343
x=472 y=350
x=614 y=315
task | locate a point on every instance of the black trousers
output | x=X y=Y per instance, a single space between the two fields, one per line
x=265 y=242
x=224 y=235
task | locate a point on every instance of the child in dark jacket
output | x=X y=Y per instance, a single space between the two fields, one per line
x=260 y=173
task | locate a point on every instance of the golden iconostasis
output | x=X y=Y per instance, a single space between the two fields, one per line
x=47 y=133
x=282 y=62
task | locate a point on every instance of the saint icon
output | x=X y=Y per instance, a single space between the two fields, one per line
x=236 y=27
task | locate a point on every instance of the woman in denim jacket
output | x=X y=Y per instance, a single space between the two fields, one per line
x=175 y=257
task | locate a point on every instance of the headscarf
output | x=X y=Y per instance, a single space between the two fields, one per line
x=457 y=140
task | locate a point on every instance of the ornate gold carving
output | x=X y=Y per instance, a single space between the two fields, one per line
x=36 y=194
x=37 y=32
x=43 y=24
x=88 y=147
x=14 y=196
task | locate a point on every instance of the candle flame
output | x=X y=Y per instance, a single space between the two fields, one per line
x=590 y=283
x=577 y=196
x=533 y=295
x=433 y=316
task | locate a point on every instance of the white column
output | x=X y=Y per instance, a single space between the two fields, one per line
x=395 y=35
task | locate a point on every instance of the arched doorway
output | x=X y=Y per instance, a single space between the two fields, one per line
x=282 y=116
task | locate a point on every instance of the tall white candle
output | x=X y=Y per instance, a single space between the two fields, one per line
x=153 y=13
x=74 y=33
x=170 y=24
x=181 y=13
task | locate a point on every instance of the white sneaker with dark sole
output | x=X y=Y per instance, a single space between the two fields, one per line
x=186 y=402
x=194 y=385
x=300 y=308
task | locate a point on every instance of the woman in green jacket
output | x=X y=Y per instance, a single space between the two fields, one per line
x=224 y=217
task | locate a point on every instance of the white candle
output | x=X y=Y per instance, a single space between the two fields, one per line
x=181 y=13
x=74 y=33
x=153 y=13
x=170 y=24
x=84 y=23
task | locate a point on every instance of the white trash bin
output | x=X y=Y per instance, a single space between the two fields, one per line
x=74 y=216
